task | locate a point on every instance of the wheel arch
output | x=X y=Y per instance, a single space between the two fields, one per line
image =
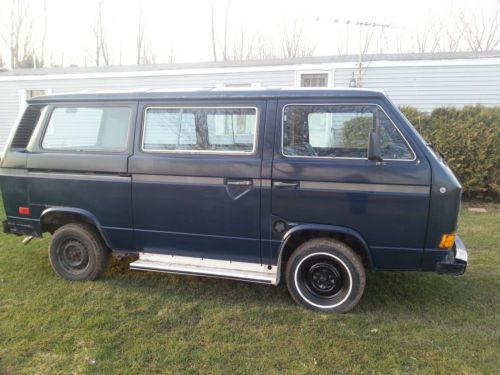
x=54 y=217
x=301 y=233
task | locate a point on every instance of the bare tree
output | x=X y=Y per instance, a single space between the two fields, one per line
x=366 y=39
x=225 y=55
x=149 y=55
x=400 y=45
x=139 y=36
x=428 y=38
x=293 y=40
x=242 y=47
x=237 y=46
x=224 y=45
x=101 y=44
x=263 y=47
x=450 y=41
x=481 y=28
x=343 y=33
x=43 y=41
x=212 y=31
x=170 y=56
x=18 y=34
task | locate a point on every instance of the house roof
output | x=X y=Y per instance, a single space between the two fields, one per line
x=252 y=63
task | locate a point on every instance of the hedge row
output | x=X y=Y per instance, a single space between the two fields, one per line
x=469 y=139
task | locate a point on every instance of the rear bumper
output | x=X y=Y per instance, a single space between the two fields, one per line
x=17 y=228
x=456 y=262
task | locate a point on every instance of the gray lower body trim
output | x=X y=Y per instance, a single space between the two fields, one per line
x=64 y=176
x=378 y=188
x=188 y=180
x=306 y=185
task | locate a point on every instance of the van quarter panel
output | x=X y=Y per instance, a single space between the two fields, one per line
x=93 y=181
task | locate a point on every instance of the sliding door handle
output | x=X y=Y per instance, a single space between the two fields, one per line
x=239 y=182
x=285 y=185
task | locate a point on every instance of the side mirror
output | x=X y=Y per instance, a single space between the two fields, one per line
x=374 y=152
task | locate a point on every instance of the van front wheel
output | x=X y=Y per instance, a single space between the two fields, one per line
x=326 y=275
x=77 y=252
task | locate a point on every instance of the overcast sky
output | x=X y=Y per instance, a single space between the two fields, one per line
x=183 y=26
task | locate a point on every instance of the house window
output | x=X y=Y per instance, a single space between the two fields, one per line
x=314 y=80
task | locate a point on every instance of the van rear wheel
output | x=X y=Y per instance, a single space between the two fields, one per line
x=325 y=275
x=77 y=252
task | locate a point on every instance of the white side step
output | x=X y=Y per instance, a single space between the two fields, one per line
x=254 y=272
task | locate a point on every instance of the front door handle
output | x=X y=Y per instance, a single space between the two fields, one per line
x=284 y=185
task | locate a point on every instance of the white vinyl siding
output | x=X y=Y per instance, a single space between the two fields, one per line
x=425 y=84
x=429 y=87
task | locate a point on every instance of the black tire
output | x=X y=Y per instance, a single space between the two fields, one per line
x=77 y=252
x=325 y=275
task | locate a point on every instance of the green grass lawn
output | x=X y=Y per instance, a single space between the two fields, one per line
x=137 y=322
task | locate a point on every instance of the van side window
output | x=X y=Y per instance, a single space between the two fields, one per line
x=189 y=129
x=339 y=131
x=87 y=129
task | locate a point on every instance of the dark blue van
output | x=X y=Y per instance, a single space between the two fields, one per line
x=312 y=186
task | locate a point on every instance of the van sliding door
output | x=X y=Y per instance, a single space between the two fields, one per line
x=196 y=179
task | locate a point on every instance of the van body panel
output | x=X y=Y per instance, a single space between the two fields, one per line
x=333 y=229
x=225 y=205
x=15 y=159
x=82 y=161
x=267 y=243
x=95 y=182
x=15 y=194
x=204 y=204
x=107 y=198
x=69 y=161
x=387 y=203
x=47 y=213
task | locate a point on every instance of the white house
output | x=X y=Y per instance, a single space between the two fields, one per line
x=426 y=81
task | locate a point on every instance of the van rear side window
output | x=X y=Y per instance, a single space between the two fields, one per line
x=216 y=129
x=88 y=129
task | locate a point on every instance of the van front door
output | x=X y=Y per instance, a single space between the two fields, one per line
x=321 y=175
x=196 y=179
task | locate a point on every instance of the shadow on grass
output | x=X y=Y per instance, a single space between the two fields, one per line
x=387 y=293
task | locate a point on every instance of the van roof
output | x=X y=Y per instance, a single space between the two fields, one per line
x=217 y=93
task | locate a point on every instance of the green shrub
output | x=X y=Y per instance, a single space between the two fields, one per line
x=355 y=131
x=469 y=139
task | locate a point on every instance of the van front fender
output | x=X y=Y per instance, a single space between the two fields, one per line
x=333 y=229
